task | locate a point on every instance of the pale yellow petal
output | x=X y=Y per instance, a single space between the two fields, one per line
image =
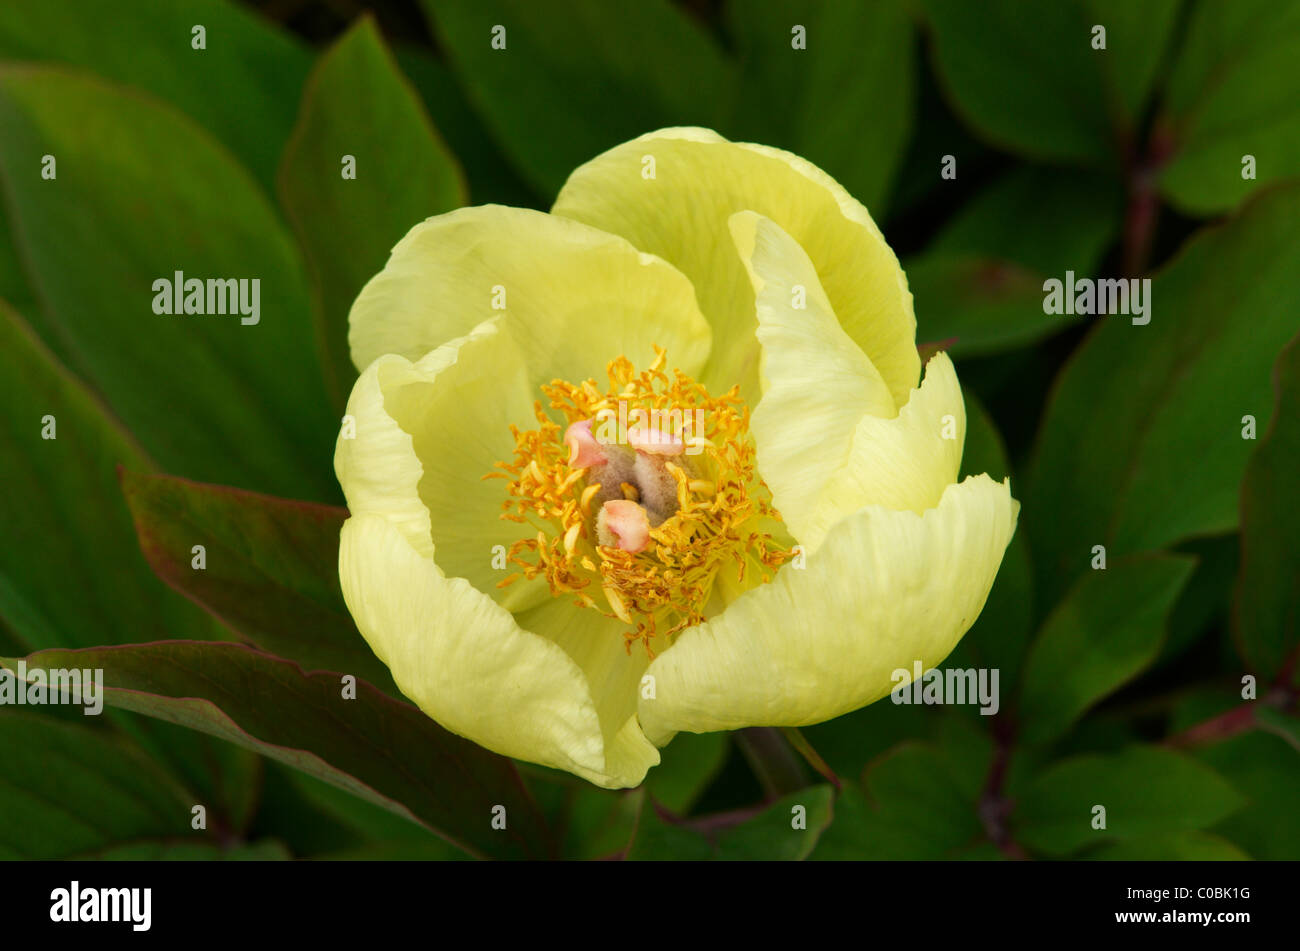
x=613 y=675
x=680 y=214
x=886 y=589
x=571 y=296
x=464 y=661
x=425 y=435
x=374 y=459
x=903 y=463
x=828 y=436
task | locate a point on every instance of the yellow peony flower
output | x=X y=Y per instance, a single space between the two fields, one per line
x=659 y=460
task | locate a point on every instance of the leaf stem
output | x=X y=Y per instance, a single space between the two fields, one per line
x=810 y=755
x=774 y=762
x=995 y=808
x=1238 y=720
x=1143 y=206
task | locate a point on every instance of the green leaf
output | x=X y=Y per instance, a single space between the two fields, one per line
x=67 y=789
x=988 y=305
x=225 y=778
x=958 y=763
x=913 y=806
x=1171 y=847
x=1267 y=604
x=849 y=742
x=266 y=850
x=71 y=512
x=984 y=451
x=1202 y=608
x=116 y=220
x=656 y=839
x=1106 y=631
x=1019 y=219
x=850 y=834
x=374 y=832
x=964 y=740
x=597 y=823
x=370 y=745
x=271 y=568
x=812 y=759
x=1146 y=791
x=241 y=87
x=1138 y=36
x=492 y=179
x=1266 y=770
x=1280 y=725
x=577 y=79
x=846 y=99
x=14 y=286
x=22 y=624
x=1029 y=80
x=690 y=762
x=290 y=811
x=428 y=850
x=358 y=104
x=1141 y=444
x=786 y=830
x=1234 y=91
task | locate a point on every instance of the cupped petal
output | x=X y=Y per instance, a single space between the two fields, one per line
x=681 y=213
x=374 y=458
x=466 y=663
x=828 y=436
x=613 y=676
x=907 y=462
x=573 y=297
x=887 y=588
x=424 y=435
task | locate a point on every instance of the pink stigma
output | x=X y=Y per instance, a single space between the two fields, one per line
x=584 y=451
x=625 y=523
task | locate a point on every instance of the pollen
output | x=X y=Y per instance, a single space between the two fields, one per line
x=645 y=499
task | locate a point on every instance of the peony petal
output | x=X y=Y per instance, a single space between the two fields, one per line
x=886 y=589
x=613 y=676
x=907 y=462
x=466 y=663
x=681 y=215
x=426 y=434
x=829 y=439
x=374 y=458
x=573 y=297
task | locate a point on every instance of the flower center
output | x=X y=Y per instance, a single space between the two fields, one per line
x=646 y=500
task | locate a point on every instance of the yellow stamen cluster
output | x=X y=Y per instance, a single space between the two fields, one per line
x=723 y=508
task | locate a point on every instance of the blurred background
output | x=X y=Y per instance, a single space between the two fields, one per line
x=997 y=144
